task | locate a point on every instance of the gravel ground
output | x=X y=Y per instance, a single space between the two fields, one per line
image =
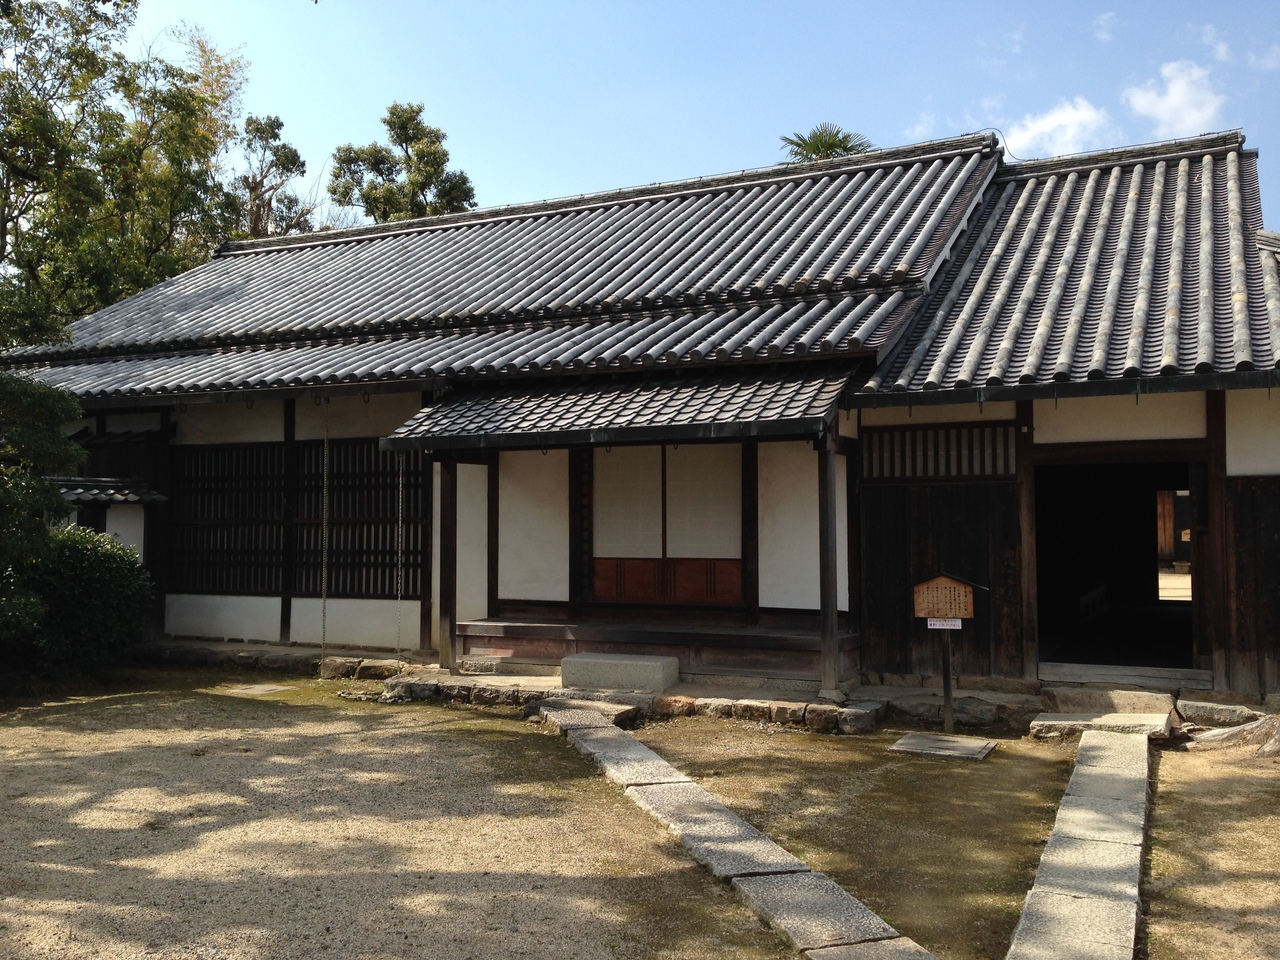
x=231 y=820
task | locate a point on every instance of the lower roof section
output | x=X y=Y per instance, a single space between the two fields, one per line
x=777 y=405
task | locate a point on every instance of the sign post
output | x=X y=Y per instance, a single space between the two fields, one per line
x=945 y=602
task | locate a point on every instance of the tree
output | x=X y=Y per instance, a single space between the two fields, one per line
x=407 y=177
x=826 y=141
x=267 y=208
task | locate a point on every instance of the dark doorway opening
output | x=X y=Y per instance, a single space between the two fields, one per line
x=1104 y=564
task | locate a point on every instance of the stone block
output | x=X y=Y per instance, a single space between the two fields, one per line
x=900 y=679
x=247 y=659
x=786 y=711
x=870 y=678
x=457 y=690
x=618 y=714
x=822 y=717
x=811 y=910
x=899 y=948
x=672 y=706
x=1084 y=920
x=1000 y=685
x=378 y=669
x=622 y=758
x=1087 y=700
x=713 y=707
x=1092 y=818
x=1052 y=725
x=486 y=696
x=1103 y=748
x=943 y=745
x=1089 y=868
x=333 y=668
x=564 y=719
x=972 y=712
x=1109 y=783
x=855 y=720
x=1215 y=714
x=753 y=710
x=617 y=671
x=1271 y=703
x=410 y=689
x=927 y=708
x=712 y=833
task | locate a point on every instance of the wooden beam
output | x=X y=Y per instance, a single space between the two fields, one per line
x=1026 y=471
x=828 y=607
x=751 y=530
x=448 y=564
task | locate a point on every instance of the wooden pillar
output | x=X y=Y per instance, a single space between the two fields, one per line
x=1030 y=602
x=853 y=532
x=751 y=530
x=1210 y=557
x=289 y=511
x=448 y=563
x=830 y=640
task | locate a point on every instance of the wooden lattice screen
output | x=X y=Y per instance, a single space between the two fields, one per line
x=232 y=528
x=939 y=452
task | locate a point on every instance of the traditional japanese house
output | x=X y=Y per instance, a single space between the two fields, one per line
x=734 y=419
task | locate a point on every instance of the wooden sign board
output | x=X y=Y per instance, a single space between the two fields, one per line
x=944 y=597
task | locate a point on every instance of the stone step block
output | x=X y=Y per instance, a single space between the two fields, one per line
x=1091 y=818
x=899 y=948
x=1109 y=783
x=713 y=834
x=811 y=910
x=614 y=714
x=1061 y=927
x=1050 y=725
x=622 y=758
x=1215 y=714
x=1092 y=700
x=1073 y=867
x=1104 y=748
x=618 y=671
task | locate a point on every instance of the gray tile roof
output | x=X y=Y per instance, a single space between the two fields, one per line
x=1134 y=263
x=105 y=490
x=828 y=231
x=792 y=403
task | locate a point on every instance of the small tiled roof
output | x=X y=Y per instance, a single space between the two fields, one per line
x=794 y=403
x=105 y=490
x=817 y=237
x=1134 y=263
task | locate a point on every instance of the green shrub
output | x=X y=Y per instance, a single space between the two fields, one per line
x=96 y=598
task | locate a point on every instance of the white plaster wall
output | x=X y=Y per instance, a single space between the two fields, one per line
x=353 y=417
x=355 y=622
x=125 y=422
x=435 y=556
x=230 y=422
x=704 y=500
x=126 y=522
x=211 y=615
x=939 y=413
x=847 y=423
x=788 y=525
x=473 y=541
x=1253 y=433
x=533 y=525
x=627 y=502
x=1160 y=416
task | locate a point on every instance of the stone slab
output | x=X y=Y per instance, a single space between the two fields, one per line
x=811 y=910
x=1109 y=783
x=1049 y=725
x=1103 y=748
x=1091 y=700
x=899 y=948
x=941 y=745
x=1089 y=868
x=712 y=833
x=257 y=689
x=619 y=671
x=1048 y=948
x=618 y=714
x=1215 y=714
x=1090 y=818
x=622 y=758
x=856 y=720
x=564 y=719
x=713 y=706
x=1084 y=920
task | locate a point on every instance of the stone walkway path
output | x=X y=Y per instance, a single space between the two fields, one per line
x=1084 y=903
x=809 y=909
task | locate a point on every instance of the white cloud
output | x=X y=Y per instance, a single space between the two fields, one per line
x=1071 y=127
x=923 y=128
x=1268 y=61
x=1104 y=27
x=1221 y=50
x=1186 y=105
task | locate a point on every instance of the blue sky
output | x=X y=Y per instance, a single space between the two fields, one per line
x=552 y=99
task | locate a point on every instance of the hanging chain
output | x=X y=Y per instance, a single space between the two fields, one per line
x=324 y=536
x=399 y=543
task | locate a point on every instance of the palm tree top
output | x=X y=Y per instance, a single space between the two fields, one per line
x=824 y=142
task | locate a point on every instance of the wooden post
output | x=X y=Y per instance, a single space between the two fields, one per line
x=1025 y=466
x=1211 y=557
x=448 y=563
x=827 y=563
x=948 y=711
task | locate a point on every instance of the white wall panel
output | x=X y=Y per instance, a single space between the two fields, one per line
x=627 y=502
x=704 y=501
x=788 y=525
x=533 y=525
x=230 y=422
x=938 y=413
x=473 y=541
x=349 y=622
x=127 y=523
x=353 y=417
x=1253 y=433
x=212 y=615
x=1158 y=416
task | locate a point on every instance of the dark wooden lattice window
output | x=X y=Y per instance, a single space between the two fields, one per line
x=227 y=522
x=947 y=452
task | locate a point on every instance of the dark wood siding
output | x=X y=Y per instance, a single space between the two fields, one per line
x=913 y=532
x=1253 y=583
